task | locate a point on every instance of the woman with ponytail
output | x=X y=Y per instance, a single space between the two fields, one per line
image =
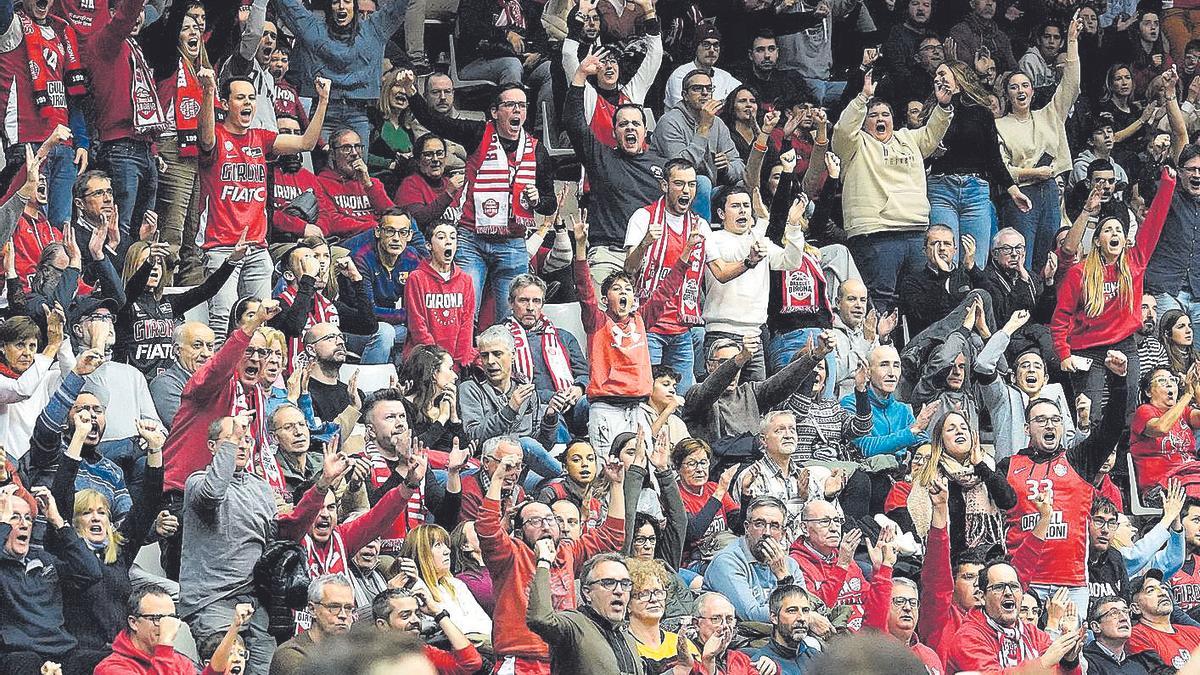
x=1099 y=301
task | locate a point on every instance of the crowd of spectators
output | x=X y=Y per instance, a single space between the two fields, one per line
x=612 y=337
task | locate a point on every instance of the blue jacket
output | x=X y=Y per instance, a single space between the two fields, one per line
x=354 y=65
x=789 y=662
x=746 y=582
x=385 y=288
x=891 y=426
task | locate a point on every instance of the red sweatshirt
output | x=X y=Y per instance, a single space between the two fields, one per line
x=1071 y=328
x=977 y=648
x=512 y=564
x=457 y=662
x=205 y=397
x=346 y=207
x=285 y=187
x=836 y=586
x=108 y=51
x=127 y=659
x=441 y=311
x=939 y=615
x=876 y=610
x=423 y=200
x=1174 y=649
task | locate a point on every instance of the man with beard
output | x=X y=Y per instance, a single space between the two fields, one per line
x=31 y=585
x=385 y=256
x=1151 y=353
x=426 y=194
x=773 y=85
x=549 y=358
x=856 y=332
x=883 y=227
x=229 y=517
x=402 y=609
x=789 y=647
x=1071 y=472
x=350 y=198
x=194 y=346
x=512 y=558
x=993 y=637
x=290 y=179
x=930 y=292
x=26 y=379
x=691 y=130
x=900 y=47
x=708 y=52
x=331 y=606
x=1151 y=605
x=754 y=564
x=1108 y=654
x=631 y=171
x=1185 y=583
x=233 y=185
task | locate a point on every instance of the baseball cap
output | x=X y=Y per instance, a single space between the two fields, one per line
x=1139 y=582
x=85 y=305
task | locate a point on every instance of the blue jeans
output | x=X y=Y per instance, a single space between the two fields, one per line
x=1039 y=225
x=376 y=348
x=882 y=258
x=1183 y=300
x=827 y=93
x=347 y=115
x=59 y=171
x=702 y=204
x=540 y=463
x=964 y=204
x=134 y=175
x=677 y=352
x=783 y=347
x=493 y=260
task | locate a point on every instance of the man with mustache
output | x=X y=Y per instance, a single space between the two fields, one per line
x=1151 y=352
x=773 y=84
x=402 y=609
x=1151 y=606
x=1109 y=653
x=194 y=346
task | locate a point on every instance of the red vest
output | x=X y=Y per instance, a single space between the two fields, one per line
x=1064 y=559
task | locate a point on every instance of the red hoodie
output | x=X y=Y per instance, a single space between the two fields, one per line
x=346 y=207
x=1071 y=328
x=441 y=311
x=127 y=659
x=835 y=586
x=977 y=648
x=285 y=188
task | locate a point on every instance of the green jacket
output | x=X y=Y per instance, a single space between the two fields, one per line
x=581 y=642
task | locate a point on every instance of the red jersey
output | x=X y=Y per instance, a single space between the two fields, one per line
x=1064 y=559
x=1174 y=649
x=23 y=119
x=441 y=311
x=1155 y=458
x=1185 y=584
x=694 y=504
x=287 y=103
x=233 y=187
x=832 y=584
x=81 y=13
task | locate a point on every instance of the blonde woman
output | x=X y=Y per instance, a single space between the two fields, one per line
x=979 y=495
x=1099 y=308
x=428 y=546
x=390 y=153
x=658 y=648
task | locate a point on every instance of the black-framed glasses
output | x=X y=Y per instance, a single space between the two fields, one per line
x=1004 y=587
x=697 y=464
x=156 y=619
x=710 y=44
x=826 y=522
x=645 y=540
x=349 y=147
x=760 y=524
x=539 y=521
x=433 y=154
x=514 y=105
x=613 y=584
x=1043 y=420
x=1009 y=250
x=388 y=232
x=1106 y=524
x=651 y=594
x=720 y=620
x=902 y=603
x=1114 y=613
x=337 y=337
x=108 y=192
x=260 y=352
x=337 y=607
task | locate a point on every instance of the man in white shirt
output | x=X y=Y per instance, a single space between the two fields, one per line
x=708 y=50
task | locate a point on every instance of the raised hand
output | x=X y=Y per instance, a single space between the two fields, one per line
x=850 y=542
x=47 y=505
x=88 y=362
x=418 y=463
x=868 y=88
x=334 y=465
x=1018 y=319
x=166 y=524
x=323 y=87
x=928 y=412
x=152 y=433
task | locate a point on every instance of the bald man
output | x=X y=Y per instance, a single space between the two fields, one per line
x=194 y=345
x=856 y=330
x=894 y=428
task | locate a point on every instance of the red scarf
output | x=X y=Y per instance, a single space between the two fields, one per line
x=801 y=287
x=1016 y=643
x=323 y=311
x=510 y=15
x=603 y=118
x=495 y=190
x=188 y=95
x=148 y=117
x=414 y=514
x=51 y=93
x=553 y=352
x=262 y=456
x=330 y=560
x=655 y=266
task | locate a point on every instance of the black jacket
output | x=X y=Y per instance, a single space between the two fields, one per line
x=927 y=295
x=1106 y=574
x=1144 y=663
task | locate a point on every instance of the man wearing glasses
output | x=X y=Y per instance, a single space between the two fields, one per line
x=1151 y=604
x=385 y=256
x=1108 y=654
x=899 y=618
x=331 y=608
x=692 y=130
x=147 y=644
x=826 y=556
x=350 y=199
x=708 y=52
x=753 y=565
x=426 y=194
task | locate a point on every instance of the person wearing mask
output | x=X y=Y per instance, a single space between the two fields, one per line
x=753 y=565
x=194 y=345
x=1108 y=654
x=350 y=199
x=146 y=646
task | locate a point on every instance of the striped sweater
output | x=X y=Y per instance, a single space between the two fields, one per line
x=825 y=429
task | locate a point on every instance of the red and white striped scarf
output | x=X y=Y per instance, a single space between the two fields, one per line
x=414 y=513
x=262 y=456
x=801 y=292
x=328 y=559
x=552 y=351
x=323 y=311
x=655 y=266
x=497 y=187
x=148 y=116
x=1016 y=644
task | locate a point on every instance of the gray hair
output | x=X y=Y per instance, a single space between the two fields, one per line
x=907 y=583
x=491 y=445
x=1003 y=232
x=287 y=405
x=498 y=333
x=770 y=417
x=585 y=574
x=316 y=588
x=709 y=597
x=521 y=281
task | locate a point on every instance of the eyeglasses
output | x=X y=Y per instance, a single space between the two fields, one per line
x=389 y=232
x=613 y=584
x=337 y=337
x=539 y=521
x=1043 y=420
x=337 y=608
x=910 y=603
x=21 y=518
x=1004 y=587
x=826 y=522
x=760 y=524
x=648 y=540
x=1032 y=611
x=696 y=464
x=651 y=594
x=710 y=44
x=433 y=154
x=260 y=352
x=701 y=88
x=108 y=318
x=1113 y=613
x=931 y=48
x=720 y=620
x=107 y=192
x=514 y=105
x=1009 y=250
x=290 y=427
x=1105 y=524
x=156 y=619
x=349 y=148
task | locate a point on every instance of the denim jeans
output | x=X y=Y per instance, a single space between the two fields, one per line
x=134 y=174
x=376 y=348
x=347 y=114
x=676 y=352
x=541 y=464
x=783 y=347
x=217 y=617
x=60 y=172
x=1183 y=300
x=177 y=206
x=1039 y=225
x=1093 y=382
x=828 y=93
x=491 y=260
x=251 y=278
x=963 y=203
x=881 y=259
x=702 y=204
